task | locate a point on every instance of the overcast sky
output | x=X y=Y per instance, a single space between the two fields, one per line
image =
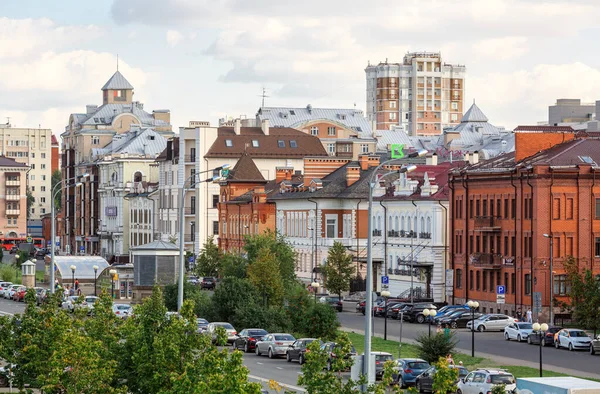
x=209 y=59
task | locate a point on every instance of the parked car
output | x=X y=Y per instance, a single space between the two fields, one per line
x=332 y=350
x=248 y=337
x=211 y=330
x=41 y=296
x=595 y=346
x=572 y=338
x=406 y=370
x=11 y=291
x=69 y=303
x=360 y=307
x=534 y=337
x=14 y=249
x=335 y=303
x=7 y=375
x=298 y=349
x=380 y=359
x=414 y=312
x=193 y=280
x=459 y=319
x=41 y=252
x=4 y=286
x=19 y=294
x=208 y=282
x=202 y=325
x=492 y=322
x=518 y=331
x=395 y=310
x=424 y=382
x=483 y=381
x=122 y=310
x=89 y=302
x=274 y=344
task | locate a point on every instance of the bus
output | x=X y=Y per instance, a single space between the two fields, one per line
x=8 y=243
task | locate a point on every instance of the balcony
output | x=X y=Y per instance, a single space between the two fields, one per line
x=408 y=234
x=377 y=233
x=12 y=197
x=425 y=235
x=487 y=223
x=188 y=238
x=487 y=260
x=190 y=211
x=13 y=212
x=189 y=158
x=393 y=233
x=12 y=183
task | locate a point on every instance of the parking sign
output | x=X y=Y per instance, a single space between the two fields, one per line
x=385 y=280
x=500 y=290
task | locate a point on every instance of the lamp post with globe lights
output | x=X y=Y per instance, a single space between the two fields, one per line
x=95 y=267
x=112 y=273
x=315 y=285
x=73 y=268
x=429 y=314
x=540 y=329
x=385 y=294
x=473 y=305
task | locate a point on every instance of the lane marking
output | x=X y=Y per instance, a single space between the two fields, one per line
x=259 y=363
x=285 y=386
x=279 y=368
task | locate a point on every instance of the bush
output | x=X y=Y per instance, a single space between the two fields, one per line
x=320 y=321
x=445 y=377
x=298 y=304
x=273 y=319
x=432 y=348
x=231 y=294
x=8 y=273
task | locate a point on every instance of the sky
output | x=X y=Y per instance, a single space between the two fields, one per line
x=205 y=60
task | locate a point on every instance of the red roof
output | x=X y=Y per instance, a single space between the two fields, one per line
x=545 y=129
x=54 y=140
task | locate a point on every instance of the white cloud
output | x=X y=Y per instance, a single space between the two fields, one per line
x=505 y=48
x=174 y=37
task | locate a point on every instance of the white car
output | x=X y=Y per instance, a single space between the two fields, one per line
x=8 y=294
x=122 y=310
x=211 y=330
x=518 y=331
x=483 y=381
x=572 y=339
x=492 y=322
x=3 y=287
x=274 y=344
x=69 y=303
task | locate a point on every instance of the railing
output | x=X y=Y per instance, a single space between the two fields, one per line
x=189 y=158
x=13 y=183
x=408 y=234
x=190 y=210
x=13 y=212
x=487 y=260
x=188 y=238
x=393 y=233
x=425 y=235
x=487 y=223
x=377 y=233
x=12 y=197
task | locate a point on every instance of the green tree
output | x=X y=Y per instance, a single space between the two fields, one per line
x=209 y=259
x=320 y=321
x=202 y=301
x=431 y=348
x=30 y=201
x=279 y=247
x=584 y=293
x=56 y=178
x=230 y=294
x=233 y=265
x=338 y=270
x=264 y=275
x=445 y=378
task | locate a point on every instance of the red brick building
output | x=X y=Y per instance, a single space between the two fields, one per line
x=55 y=155
x=501 y=210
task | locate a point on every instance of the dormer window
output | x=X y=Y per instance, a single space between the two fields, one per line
x=281 y=143
x=228 y=143
x=293 y=144
x=255 y=144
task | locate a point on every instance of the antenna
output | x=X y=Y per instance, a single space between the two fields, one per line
x=117 y=62
x=263 y=95
x=8 y=121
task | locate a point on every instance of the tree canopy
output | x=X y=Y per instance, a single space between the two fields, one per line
x=338 y=271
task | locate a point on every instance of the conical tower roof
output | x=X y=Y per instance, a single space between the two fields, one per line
x=474 y=114
x=117 y=82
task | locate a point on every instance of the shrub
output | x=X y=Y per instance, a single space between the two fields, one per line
x=320 y=321
x=499 y=389
x=432 y=348
x=253 y=315
x=8 y=273
x=229 y=295
x=298 y=304
x=445 y=377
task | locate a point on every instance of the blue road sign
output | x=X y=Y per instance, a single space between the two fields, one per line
x=500 y=290
x=385 y=280
x=81 y=248
x=191 y=259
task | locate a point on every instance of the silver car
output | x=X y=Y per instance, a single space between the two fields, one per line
x=274 y=344
x=211 y=330
x=4 y=286
x=492 y=322
x=518 y=331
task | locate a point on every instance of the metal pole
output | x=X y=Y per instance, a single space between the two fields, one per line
x=412 y=258
x=73 y=277
x=95 y=277
x=385 y=324
x=369 y=287
x=112 y=286
x=541 y=334
x=551 y=321
x=400 y=339
x=182 y=191
x=429 y=329
x=52 y=236
x=472 y=332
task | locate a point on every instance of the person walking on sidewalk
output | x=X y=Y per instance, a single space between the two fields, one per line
x=529 y=317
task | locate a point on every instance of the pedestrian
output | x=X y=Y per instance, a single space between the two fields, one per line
x=529 y=318
x=66 y=292
x=447 y=330
x=439 y=329
x=71 y=291
x=449 y=359
x=460 y=363
x=519 y=315
x=56 y=285
x=76 y=284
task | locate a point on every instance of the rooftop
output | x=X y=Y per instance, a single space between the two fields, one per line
x=117 y=82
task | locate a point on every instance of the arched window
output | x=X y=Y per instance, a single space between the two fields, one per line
x=396 y=224
x=429 y=225
x=402 y=223
x=378 y=223
x=114 y=177
x=137 y=177
x=415 y=225
x=422 y=225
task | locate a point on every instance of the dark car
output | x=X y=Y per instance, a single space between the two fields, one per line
x=394 y=311
x=14 y=249
x=424 y=381
x=414 y=313
x=247 y=339
x=360 y=307
x=41 y=252
x=534 y=337
x=459 y=319
x=335 y=303
x=332 y=350
x=298 y=349
x=208 y=282
x=380 y=359
x=202 y=325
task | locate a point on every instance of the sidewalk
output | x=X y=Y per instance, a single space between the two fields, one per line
x=501 y=360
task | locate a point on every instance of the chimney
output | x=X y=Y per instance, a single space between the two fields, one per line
x=265 y=126
x=237 y=126
x=432 y=160
x=475 y=157
x=283 y=174
x=363 y=160
x=352 y=175
x=468 y=157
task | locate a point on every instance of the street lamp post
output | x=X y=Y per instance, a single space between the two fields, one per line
x=541 y=331
x=182 y=192
x=549 y=236
x=473 y=305
x=55 y=190
x=369 y=279
x=385 y=294
x=429 y=313
x=73 y=268
x=95 y=277
x=315 y=285
x=112 y=274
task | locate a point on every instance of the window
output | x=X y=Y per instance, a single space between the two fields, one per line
x=281 y=144
x=477 y=209
x=485 y=280
x=331 y=131
x=459 y=279
x=228 y=143
x=255 y=144
x=492 y=287
x=505 y=280
x=215 y=227
x=505 y=208
x=293 y=144
x=485 y=205
x=392 y=104
x=392 y=116
x=478 y=276
x=513 y=284
x=455 y=106
x=33 y=166
x=556 y=208
x=470 y=209
x=42 y=199
x=215 y=200
x=95 y=140
x=43 y=210
x=331 y=229
x=33 y=188
x=43 y=189
x=470 y=279
x=569 y=209
x=364 y=148
x=32 y=155
x=32 y=177
x=314 y=130
x=527 y=284
x=560 y=285
x=513 y=208
x=331 y=149
x=454 y=117
x=43 y=176
x=597 y=247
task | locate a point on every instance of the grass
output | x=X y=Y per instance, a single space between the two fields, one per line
x=471 y=363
